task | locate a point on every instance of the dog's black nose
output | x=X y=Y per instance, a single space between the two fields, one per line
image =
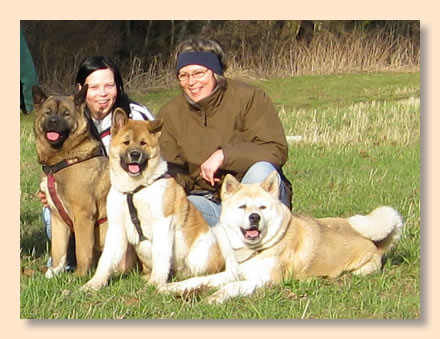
x=254 y=218
x=135 y=155
x=53 y=121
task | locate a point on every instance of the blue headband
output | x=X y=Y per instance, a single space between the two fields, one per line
x=207 y=59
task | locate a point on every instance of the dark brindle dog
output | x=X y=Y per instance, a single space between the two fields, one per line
x=76 y=178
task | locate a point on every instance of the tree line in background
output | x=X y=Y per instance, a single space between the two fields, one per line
x=257 y=48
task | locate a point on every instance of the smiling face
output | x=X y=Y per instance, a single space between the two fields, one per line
x=195 y=87
x=60 y=124
x=134 y=152
x=102 y=93
x=250 y=210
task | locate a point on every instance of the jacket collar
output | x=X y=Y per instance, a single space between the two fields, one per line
x=209 y=104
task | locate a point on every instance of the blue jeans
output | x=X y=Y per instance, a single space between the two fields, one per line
x=256 y=173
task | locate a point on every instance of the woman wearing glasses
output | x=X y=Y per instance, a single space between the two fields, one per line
x=218 y=126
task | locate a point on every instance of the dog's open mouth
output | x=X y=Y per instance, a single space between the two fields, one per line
x=56 y=130
x=56 y=139
x=134 y=162
x=251 y=234
x=53 y=136
x=134 y=168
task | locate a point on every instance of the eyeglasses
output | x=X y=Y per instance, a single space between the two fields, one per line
x=196 y=75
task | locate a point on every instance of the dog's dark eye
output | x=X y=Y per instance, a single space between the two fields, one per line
x=143 y=143
x=243 y=207
x=126 y=142
x=66 y=113
x=262 y=207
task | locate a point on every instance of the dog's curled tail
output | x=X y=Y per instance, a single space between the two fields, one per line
x=384 y=226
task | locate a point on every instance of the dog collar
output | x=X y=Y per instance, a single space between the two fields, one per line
x=69 y=162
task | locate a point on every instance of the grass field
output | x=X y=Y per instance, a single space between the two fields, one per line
x=360 y=148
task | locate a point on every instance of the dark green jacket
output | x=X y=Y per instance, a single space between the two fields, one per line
x=28 y=76
x=241 y=120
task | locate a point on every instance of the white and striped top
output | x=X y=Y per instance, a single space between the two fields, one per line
x=137 y=112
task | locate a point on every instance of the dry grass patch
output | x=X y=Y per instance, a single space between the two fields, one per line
x=373 y=122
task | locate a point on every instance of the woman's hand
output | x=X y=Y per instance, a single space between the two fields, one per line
x=43 y=199
x=211 y=165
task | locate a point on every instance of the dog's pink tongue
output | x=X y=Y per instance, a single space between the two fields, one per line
x=52 y=136
x=133 y=168
x=252 y=233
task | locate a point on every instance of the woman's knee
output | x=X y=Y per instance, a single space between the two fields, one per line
x=258 y=172
x=209 y=209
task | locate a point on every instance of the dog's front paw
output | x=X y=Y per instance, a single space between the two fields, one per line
x=158 y=283
x=157 y=278
x=218 y=297
x=183 y=291
x=92 y=286
x=51 y=272
x=164 y=288
x=174 y=288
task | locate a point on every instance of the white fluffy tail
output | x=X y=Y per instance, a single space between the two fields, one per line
x=384 y=225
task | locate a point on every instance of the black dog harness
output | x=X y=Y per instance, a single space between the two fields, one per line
x=132 y=208
x=133 y=212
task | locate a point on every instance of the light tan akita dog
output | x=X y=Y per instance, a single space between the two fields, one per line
x=149 y=210
x=263 y=242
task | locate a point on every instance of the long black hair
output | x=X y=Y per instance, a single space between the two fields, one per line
x=97 y=62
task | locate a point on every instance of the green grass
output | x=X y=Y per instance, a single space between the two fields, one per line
x=340 y=90
x=360 y=148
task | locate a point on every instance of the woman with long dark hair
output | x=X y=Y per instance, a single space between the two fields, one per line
x=104 y=94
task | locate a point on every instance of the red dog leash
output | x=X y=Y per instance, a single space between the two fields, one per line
x=50 y=171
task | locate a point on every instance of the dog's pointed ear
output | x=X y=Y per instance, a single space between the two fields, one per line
x=272 y=184
x=38 y=96
x=119 y=120
x=155 y=126
x=80 y=96
x=229 y=187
